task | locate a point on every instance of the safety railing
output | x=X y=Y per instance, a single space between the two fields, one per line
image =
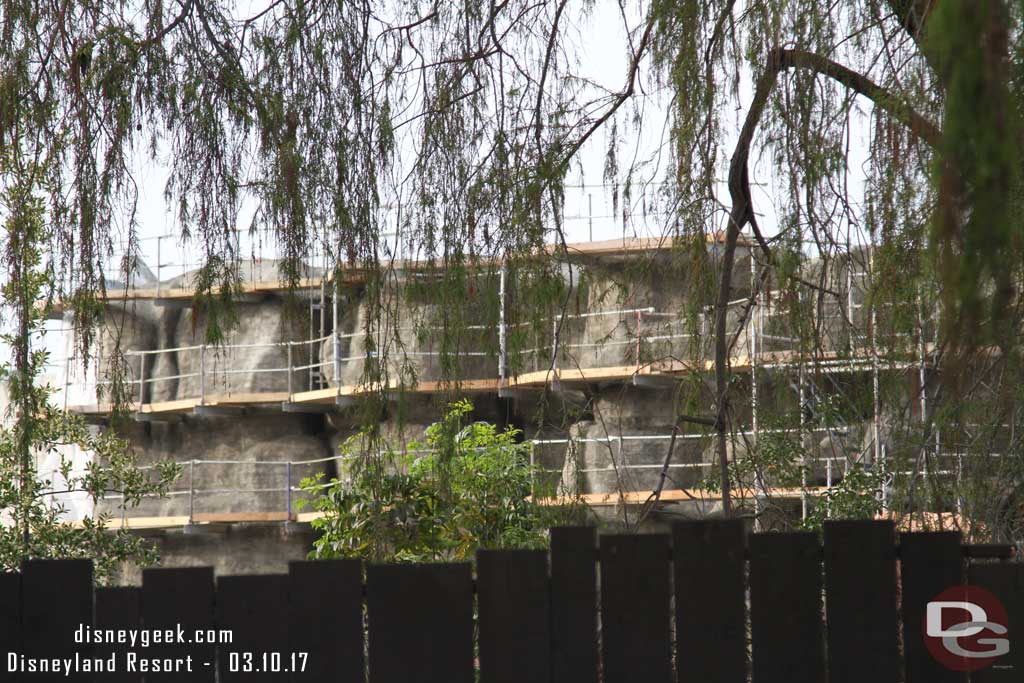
x=618 y=442
x=285 y=481
x=628 y=337
x=199 y=483
x=160 y=260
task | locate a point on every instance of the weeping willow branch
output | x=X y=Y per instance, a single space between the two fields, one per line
x=619 y=99
x=742 y=212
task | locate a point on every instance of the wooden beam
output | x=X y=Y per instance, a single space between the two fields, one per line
x=591 y=499
x=246 y=398
x=138 y=522
x=306 y=517
x=674 y=495
x=236 y=517
x=539 y=379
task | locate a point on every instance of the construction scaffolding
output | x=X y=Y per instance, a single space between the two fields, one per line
x=855 y=342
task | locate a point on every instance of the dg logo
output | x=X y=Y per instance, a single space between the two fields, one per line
x=966 y=628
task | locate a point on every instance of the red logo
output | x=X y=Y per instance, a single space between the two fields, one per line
x=966 y=628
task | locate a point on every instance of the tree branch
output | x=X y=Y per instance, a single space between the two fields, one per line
x=742 y=211
x=890 y=103
x=619 y=99
x=912 y=16
x=186 y=9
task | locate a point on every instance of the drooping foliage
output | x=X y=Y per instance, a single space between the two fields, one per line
x=33 y=510
x=881 y=132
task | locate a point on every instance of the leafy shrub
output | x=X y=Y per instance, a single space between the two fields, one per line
x=467 y=486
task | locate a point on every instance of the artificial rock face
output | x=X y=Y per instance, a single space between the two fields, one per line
x=612 y=299
x=598 y=461
x=270 y=437
x=230 y=550
x=641 y=313
x=256 y=357
x=128 y=327
x=403 y=341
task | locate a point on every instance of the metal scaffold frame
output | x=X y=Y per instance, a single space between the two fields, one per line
x=664 y=328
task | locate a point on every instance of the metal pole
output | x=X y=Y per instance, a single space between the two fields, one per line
x=639 y=323
x=323 y=307
x=803 y=451
x=158 y=278
x=752 y=351
x=288 y=509
x=202 y=374
x=336 y=340
x=828 y=485
x=849 y=291
x=289 y=371
x=191 y=490
x=885 y=497
x=323 y=333
x=142 y=380
x=752 y=332
x=309 y=372
x=935 y=426
x=849 y=304
x=876 y=428
x=502 y=331
x=921 y=380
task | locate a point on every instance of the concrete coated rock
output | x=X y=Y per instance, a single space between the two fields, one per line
x=624 y=446
x=235 y=549
x=255 y=357
x=126 y=330
x=239 y=485
x=405 y=342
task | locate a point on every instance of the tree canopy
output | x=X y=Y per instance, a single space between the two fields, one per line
x=458 y=124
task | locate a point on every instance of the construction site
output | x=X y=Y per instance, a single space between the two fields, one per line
x=597 y=394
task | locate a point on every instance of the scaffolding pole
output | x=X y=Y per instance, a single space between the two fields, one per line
x=922 y=378
x=335 y=339
x=802 y=392
x=876 y=427
x=752 y=350
x=502 y=329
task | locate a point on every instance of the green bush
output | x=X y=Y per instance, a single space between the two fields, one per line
x=468 y=486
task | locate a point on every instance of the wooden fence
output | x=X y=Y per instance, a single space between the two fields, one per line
x=705 y=603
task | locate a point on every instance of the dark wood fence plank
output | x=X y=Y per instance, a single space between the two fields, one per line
x=860 y=599
x=635 y=619
x=180 y=597
x=56 y=600
x=118 y=610
x=326 y=619
x=420 y=623
x=930 y=563
x=254 y=609
x=1005 y=580
x=574 y=605
x=711 y=642
x=10 y=619
x=512 y=603
x=785 y=608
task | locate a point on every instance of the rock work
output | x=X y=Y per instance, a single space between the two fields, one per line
x=597 y=438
